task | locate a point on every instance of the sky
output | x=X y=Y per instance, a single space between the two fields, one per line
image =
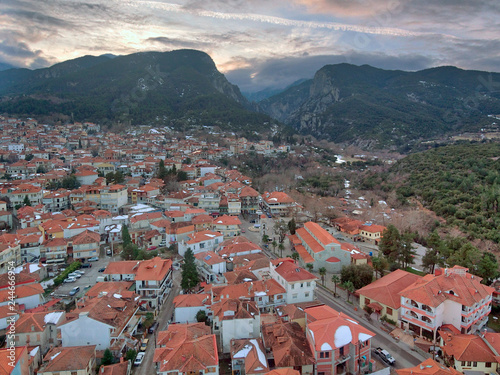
x=258 y=44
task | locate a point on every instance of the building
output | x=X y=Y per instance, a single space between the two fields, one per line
x=319 y=248
x=450 y=296
x=186 y=349
x=298 y=283
x=279 y=203
x=39 y=329
x=229 y=226
x=428 y=367
x=199 y=242
x=340 y=344
x=235 y=319
x=371 y=232
x=85 y=245
x=472 y=353
x=187 y=307
x=211 y=266
x=76 y=360
x=153 y=281
x=20 y=365
x=382 y=295
x=248 y=357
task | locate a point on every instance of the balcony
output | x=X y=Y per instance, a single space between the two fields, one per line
x=343 y=358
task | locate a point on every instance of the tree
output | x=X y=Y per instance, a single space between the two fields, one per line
x=130 y=252
x=29 y=157
x=149 y=320
x=488 y=268
x=292 y=226
x=162 y=171
x=281 y=228
x=309 y=267
x=359 y=276
x=125 y=236
x=467 y=256
x=265 y=238
x=131 y=354
x=322 y=273
x=335 y=281
x=190 y=276
x=349 y=287
x=281 y=247
x=406 y=252
x=390 y=243
x=201 y=316
x=26 y=201
x=107 y=358
x=274 y=244
x=379 y=264
x=295 y=256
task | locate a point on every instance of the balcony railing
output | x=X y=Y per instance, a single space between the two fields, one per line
x=344 y=358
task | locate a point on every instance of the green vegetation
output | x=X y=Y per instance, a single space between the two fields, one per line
x=190 y=276
x=460 y=183
x=72 y=267
x=358 y=276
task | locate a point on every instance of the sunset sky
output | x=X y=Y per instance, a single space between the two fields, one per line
x=258 y=43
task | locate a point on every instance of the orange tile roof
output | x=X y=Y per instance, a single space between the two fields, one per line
x=322 y=235
x=277 y=197
x=468 y=347
x=87 y=237
x=291 y=272
x=205 y=235
x=304 y=235
x=373 y=228
x=191 y=300
x=110 y=288
x=433 y=290
x=116 y=369
x=153 y=269
x=283 y=371
x=73 y=358
x=428 y=367
x=252 y=352
x=124 y=267
x=22 y=291
x=386 y=289
x=5 y=366
x=209 y=257
x=227 y=220
x=324 y=322
x=304 y=255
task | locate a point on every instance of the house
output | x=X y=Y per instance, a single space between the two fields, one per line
x=122 y=270
x=298 y=283
x=186 y=349
x=85 y=245
x=19 y=365
x=121 y=368
x=211 y=266
x=279 y=203
x=229 y=226
x=86 y=177
x=29 y=295
x=10 y=253
x=235 y=319
x=237 y=246
x=112 y=198
x=56 y=201
x=153 y=281
x=382 y=295
x=288 y=345
x=248 y=357
x=320 y=249
x=105 y=321
x=371 y=233
x=199 y=242
x=472 y=353
x=77 y=360
x=429 y=367
x=186 y=306
x=453 y=296
x=38 y=329
x=54 y=250
x=250 y=199
x=339 y=343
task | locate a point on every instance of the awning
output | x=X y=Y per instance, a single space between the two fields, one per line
x=333 y=260
x=375 y=306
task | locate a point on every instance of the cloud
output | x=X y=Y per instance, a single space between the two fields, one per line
x=254 y=75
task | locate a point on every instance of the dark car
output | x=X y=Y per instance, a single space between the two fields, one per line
x=86 y=265
x=102 y=269
x=75 y=290
x=153 y=328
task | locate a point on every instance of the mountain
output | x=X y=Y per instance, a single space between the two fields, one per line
x=173 y=88
x=377 y=108
x=5 y=66
x=269 y=91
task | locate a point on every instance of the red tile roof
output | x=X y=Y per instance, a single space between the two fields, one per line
x=153 y=269
x=428 y=367
x=73 y=358
x=291 y=272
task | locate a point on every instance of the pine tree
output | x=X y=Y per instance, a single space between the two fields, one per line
x=190 y=276
x=27 y=201
x=292 y=226
x=390 y=243
x=126 y=236
x=107 y=358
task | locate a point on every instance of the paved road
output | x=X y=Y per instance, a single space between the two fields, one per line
x=403 y=354
x=166 y=311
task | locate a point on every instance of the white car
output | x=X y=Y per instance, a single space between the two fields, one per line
x=70 y=279
x=139 y=358
x=75 y=275
x=80 y=272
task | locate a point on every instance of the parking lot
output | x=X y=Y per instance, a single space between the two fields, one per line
x=87 y=280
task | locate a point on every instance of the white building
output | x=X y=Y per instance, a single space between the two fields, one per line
x=298 y=283
x=199 y=242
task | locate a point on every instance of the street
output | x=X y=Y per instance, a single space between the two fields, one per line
x=166 y=311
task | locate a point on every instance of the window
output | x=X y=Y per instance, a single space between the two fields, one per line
x=389 y=311
x=367 y=301
x=308 y=283
x=307 y=294
x=474 y=364
x=293 y=286
x=463 y=363
x=301 y=285
x=294 y=296
x=469 y=363
x=324 y=354
x=488 y=364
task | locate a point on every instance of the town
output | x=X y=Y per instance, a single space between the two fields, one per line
x=139 y=252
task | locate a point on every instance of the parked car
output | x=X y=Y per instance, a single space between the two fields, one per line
x=86 y=265
x=75 y=290
x=108 y=251
x=93 y=259
x=385 y=356
x=70 y=280
x=80 y=272
x=102 y=269
x=75 y=275
x=152 y=248
x=144 y=345
x=153 y=327
x=139 y=358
